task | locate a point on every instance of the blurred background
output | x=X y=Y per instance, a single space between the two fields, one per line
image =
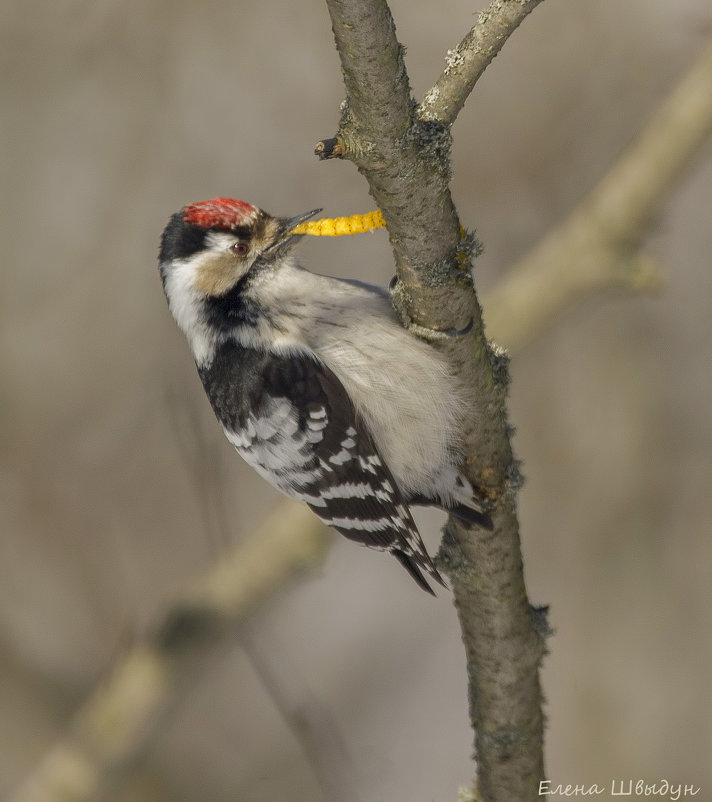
x=115 y=114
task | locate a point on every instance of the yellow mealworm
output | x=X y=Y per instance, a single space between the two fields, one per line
x=357 y=224
x=339 y=226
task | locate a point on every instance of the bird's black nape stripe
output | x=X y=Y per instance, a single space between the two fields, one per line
x=180 y=239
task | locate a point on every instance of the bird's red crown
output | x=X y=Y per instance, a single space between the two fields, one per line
x=224 y=213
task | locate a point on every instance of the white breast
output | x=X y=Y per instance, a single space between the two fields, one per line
x=400 y=385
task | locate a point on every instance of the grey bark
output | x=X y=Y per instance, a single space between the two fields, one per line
x=405 y=157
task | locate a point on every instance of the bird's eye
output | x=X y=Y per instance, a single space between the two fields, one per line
x=240 y=248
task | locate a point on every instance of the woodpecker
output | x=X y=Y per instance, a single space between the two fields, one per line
x=315 y=382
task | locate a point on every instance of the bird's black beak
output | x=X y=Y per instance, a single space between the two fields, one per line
x=285 y=239
x=291 y=223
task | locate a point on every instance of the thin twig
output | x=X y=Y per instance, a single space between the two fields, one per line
x=467 y=62
x=310 y=722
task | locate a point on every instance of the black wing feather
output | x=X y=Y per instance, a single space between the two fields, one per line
x=331 y=461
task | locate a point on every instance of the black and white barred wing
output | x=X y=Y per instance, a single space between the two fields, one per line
x=303 y=436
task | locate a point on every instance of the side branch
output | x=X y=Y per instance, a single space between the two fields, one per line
x=114 y=725
x=596 y=246
x=467 y=62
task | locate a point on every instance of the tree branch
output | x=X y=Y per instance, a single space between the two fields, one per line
x=596 y=246
x=378 y=134
x=407 y=167
x=115 y=724
x=467 y=62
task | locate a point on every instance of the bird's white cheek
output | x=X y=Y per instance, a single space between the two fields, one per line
x=185 y=304
x=182 y=294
